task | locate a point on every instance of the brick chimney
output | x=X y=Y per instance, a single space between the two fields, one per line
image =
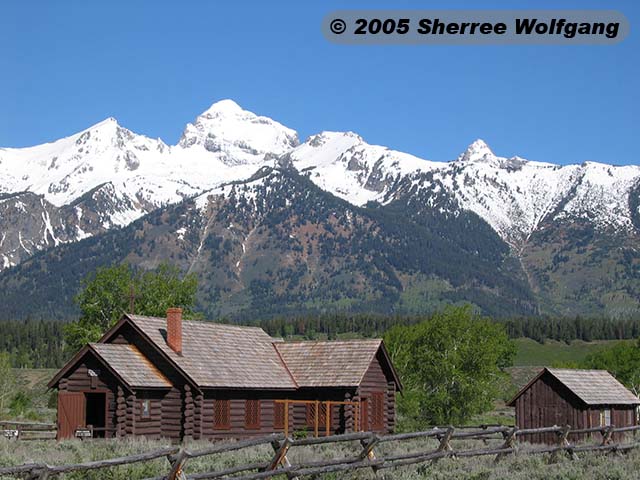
x=174 y=329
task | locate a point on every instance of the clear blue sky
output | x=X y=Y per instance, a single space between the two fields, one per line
x=155 y=65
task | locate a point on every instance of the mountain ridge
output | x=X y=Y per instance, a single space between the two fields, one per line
x=107 y=177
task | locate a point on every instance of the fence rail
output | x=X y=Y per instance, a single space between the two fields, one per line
x=364 y=455
x=27 y=430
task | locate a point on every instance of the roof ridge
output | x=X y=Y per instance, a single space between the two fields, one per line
x=579 y=370
x=199 y=322
x=333 y=342
x=286 y=367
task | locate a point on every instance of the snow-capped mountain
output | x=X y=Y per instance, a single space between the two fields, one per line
x=125 y=175
x=513 y=195
x=237 y=137
x=106 y=177
x=135 y=174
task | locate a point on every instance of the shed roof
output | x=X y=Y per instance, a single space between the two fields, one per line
x=329 y=364
x=593 y=387
x=131 y=365
x=216 y=355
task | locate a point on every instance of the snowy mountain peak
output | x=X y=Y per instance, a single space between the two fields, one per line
x=477 y=151
x=221 y=107
x=236 y=136
x=106 y=127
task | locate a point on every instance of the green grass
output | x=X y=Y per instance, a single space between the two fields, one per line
x=33 y=383
x=553 y=353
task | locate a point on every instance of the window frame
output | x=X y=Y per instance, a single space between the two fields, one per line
x=604 y=421
x=148 y=416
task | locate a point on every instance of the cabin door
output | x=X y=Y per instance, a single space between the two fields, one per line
x=71 y=413
x=96 y=413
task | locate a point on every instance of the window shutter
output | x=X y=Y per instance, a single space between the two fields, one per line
x=278 y=415
x=377 y=407
x=222 y=414
x=252 y=414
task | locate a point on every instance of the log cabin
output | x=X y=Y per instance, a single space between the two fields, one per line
x=175 y=379
x=578 y=398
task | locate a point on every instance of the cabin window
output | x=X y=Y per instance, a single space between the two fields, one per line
x=377 y=410
x=145 y=408
x=278 y=415
x=252 y=414
x=605 y=417
x=311 y=415
x=222 y=414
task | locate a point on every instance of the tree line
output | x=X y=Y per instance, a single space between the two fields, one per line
x=42 y=343
x=452 y=362
x=33 y=343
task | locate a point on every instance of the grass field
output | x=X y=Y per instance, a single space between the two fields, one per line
x=552 y=353
x=589 y=466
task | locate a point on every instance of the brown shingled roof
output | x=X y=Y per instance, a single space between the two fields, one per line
x=328 y=364
x=593 y=387
x=131 y=365
x=216 y=355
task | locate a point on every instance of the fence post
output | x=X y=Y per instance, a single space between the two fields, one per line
x=177 y=465
x=607 y=434
x=563 y=443
x=445 y=446
x=40 y=473
x=367 y=450
x=280 y=456
x=509 y=442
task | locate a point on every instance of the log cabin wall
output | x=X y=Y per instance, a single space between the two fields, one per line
x=237 y=400
x=177 y=407
x=149 y=420
x=78 y=380
x=302 y=417
x=381 y=404
x=172 y=415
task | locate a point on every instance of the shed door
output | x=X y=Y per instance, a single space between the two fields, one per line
x=70 y=413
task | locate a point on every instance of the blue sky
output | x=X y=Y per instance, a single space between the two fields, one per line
x=155 y=66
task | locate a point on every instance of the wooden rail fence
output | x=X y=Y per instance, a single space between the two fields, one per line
x=27 y=430
x=364 y=457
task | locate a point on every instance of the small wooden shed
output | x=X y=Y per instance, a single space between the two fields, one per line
x=579 y=398
x=165 y=377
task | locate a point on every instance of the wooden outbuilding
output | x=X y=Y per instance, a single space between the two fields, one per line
x=176 y=379
x=579 y=398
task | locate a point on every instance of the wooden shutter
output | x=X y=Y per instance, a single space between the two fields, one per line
x=278 y=415
x=222 y=414
x=252 y=414
x=364 y=415
x=377 y=411
x=71 y=413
